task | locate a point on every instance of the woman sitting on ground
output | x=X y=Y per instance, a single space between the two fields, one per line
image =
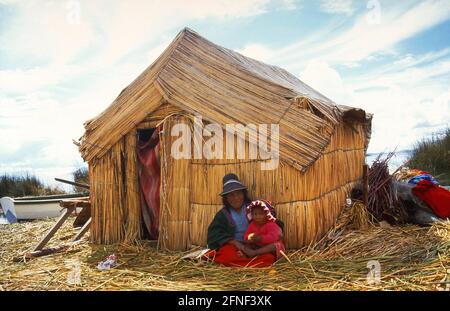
x=226 y=231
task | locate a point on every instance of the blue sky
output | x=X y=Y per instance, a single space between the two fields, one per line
x=64 y=61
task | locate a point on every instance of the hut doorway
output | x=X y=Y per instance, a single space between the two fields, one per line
x=148 y=154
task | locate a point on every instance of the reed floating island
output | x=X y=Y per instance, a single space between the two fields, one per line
x=410 y=257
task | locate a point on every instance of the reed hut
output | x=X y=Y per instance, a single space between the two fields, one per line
x=321 y=148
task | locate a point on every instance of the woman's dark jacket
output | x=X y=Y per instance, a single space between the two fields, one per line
x=221 y=229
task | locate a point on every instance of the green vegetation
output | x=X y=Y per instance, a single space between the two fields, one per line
x=26 y=185
x=433 y=155
x=29 y=185
x=81 y=175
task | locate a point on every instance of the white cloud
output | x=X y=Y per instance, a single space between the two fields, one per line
x=59 y=31
x=337 y=6
x=397 y=114
x=100 y=33
x=9 y=2
x=289 y=5
x=43 y=125
x=407 y=76
x=154 y=53
x=44 y=31
x=34 y=79
x=37 y=132
x=402 y=95
x=363 y=40
x=407 y=102
x=257 y=51
x=320 y=76
x=410 y=99
x=139 y=22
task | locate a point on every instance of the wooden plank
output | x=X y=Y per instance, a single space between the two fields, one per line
x=40 y=253
x=75 y=203
x=68 y=211
x=83 y=216
x=45 y=252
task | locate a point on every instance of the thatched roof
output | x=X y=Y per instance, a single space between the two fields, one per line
x=224 y=87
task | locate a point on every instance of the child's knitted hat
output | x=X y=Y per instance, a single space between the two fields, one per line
x=265 y=205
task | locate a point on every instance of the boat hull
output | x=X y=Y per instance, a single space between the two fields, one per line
x=33 y=208
x=38 y=210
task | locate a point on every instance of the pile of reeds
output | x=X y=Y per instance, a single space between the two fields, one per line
x=355 y=217
x=410 y=258
x=381 y=199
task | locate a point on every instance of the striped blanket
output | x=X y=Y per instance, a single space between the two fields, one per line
x=149 y=179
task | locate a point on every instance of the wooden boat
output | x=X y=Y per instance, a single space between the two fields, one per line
x=38 y=207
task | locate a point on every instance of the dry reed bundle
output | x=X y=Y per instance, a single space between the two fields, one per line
x=381 y=199
x=175 y=191
x=411 y=258
x=354 y=217
x=360 y=216
x=115 y=199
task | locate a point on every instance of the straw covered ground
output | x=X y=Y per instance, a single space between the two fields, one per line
x=410 y=257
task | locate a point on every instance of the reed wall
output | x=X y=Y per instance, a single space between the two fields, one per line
x=308 y=203
x=114 y=194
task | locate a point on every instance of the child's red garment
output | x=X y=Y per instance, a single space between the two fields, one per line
x=270 y=233
x=227 y=255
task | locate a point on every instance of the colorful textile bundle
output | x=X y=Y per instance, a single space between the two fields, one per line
x=428 y=189
x=413 y=176
x=436 y=197
x=424 y=176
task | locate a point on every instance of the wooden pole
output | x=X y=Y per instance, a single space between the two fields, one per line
x=83 y=230
x=365 y=184
x=73 y=183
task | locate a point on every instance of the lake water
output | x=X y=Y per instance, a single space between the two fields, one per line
x=398 y=159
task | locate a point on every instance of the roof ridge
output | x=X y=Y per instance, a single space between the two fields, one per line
x=321 y=98
x=230 y=51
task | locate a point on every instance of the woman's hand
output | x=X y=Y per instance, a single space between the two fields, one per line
x=241 y=254
x=256 y=238
x=248 y=252
x=253 y=238
x=239 y=245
